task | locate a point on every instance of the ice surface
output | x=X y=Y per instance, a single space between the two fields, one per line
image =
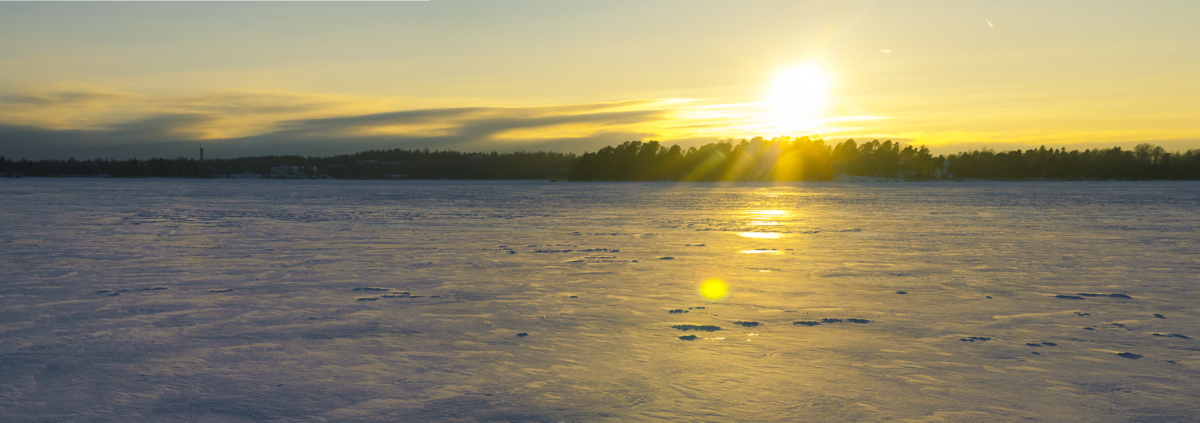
x=160 y=300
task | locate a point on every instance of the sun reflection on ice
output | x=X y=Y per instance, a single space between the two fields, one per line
x=761 y=235
x=764 y=218
x=761 y=252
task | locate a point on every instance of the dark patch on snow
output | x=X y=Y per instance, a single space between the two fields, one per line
x=368 y=299
x=901 y=292
x=1082 y=314
x=831 y=321
x=688 y=337
x=1159 y=316
x=522 y=335
x=1123 y=296
x=975 y=339
x=705 y=328
x=677 y=311
x=747 y=324
x=1129 y=355
x=371 y=289
x=218 y=291
x=1172 y=335
x=1068 y=297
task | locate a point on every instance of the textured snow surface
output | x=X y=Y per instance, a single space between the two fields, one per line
x=244 y=300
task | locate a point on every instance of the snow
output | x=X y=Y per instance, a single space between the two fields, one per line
x=260 y=317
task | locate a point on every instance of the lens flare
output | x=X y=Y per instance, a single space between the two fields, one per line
x=714 y=289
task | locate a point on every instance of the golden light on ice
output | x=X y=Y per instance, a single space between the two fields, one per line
x=797 y=97
x=714 y=289
x=775 y=252
x=763 y=218
x=760 y=235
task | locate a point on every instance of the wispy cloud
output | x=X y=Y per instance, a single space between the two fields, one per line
x=90 y=122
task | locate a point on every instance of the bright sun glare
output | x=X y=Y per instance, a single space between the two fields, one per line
x=797 y=98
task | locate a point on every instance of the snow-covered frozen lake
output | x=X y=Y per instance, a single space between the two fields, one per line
x=231 y=300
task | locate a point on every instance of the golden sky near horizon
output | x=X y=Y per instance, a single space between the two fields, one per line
x=131 y=79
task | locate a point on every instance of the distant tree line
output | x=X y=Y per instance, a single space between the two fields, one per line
x=805 y=159
x=757 y=159
x=373 y=164
x=1145 y=161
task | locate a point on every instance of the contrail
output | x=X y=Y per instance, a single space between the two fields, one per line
x=990 y=23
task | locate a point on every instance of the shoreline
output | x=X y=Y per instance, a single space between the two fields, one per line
x=840 y=179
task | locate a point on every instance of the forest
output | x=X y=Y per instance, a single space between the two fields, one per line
x=805 y=159
x=757 y=159
x=372 y=164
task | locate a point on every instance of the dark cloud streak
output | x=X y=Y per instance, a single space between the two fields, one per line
x=62 y=98
x=467 y=129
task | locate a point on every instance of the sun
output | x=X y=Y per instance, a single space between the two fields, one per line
x=797 y=97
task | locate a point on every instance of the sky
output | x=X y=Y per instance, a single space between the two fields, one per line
x=160 y=79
